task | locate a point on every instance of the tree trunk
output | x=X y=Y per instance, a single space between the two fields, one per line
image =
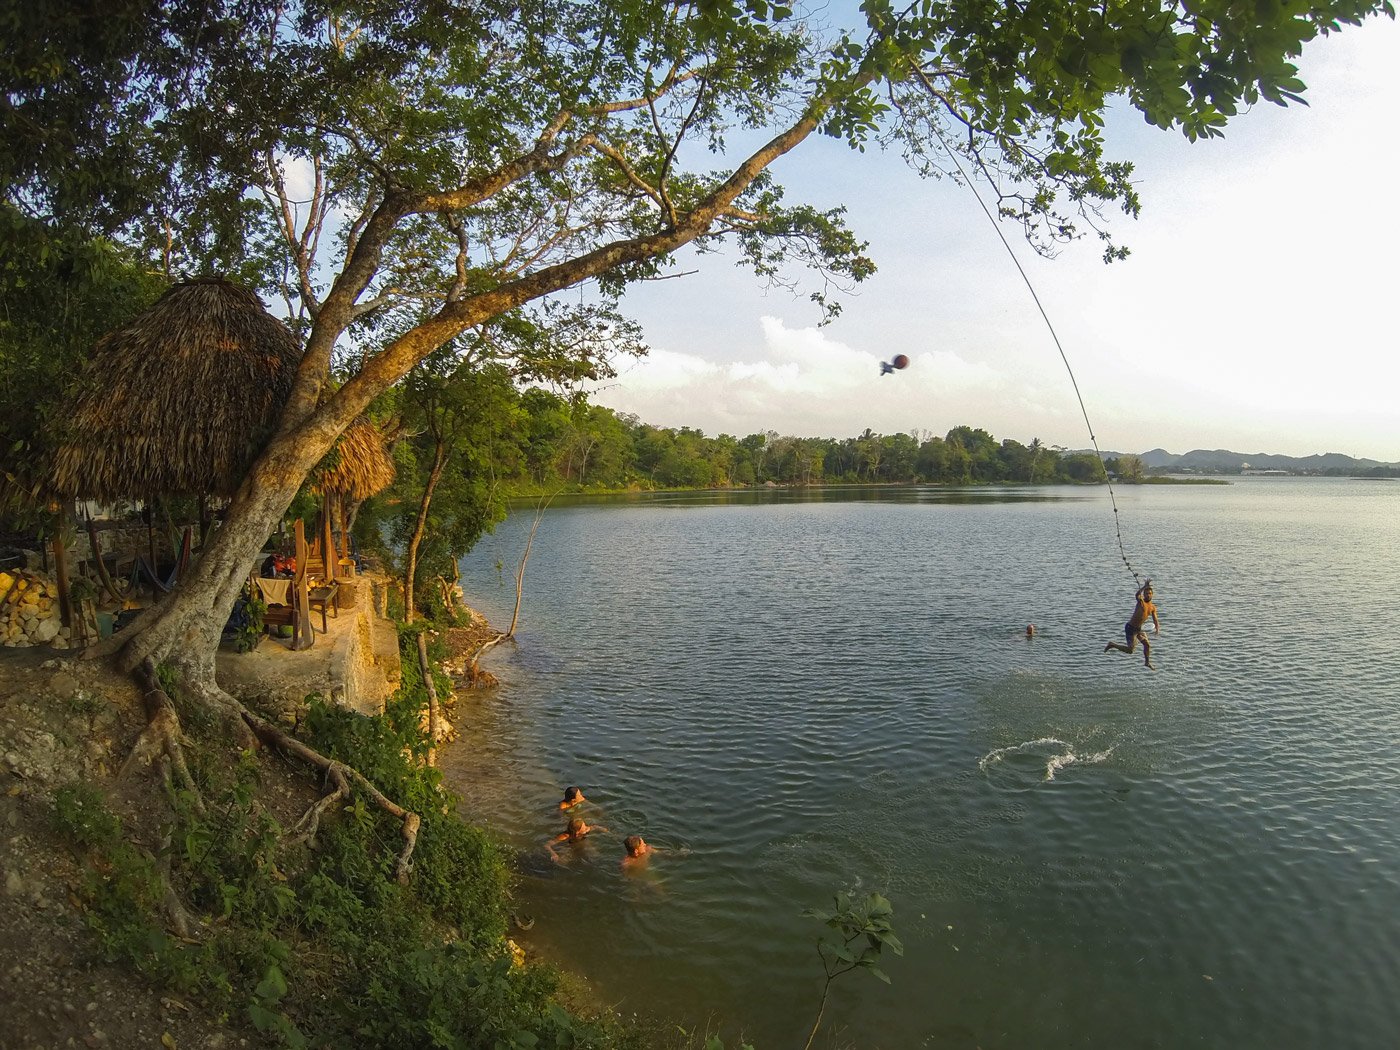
x=60 y=571
x=431 y=688
x=189 y=622
x=350 y=521
x=327 y=541
x=344 y=526
x=540 y=508
x=583 y=467
x=419 y=527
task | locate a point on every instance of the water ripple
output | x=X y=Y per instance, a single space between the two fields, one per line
x=804 y=696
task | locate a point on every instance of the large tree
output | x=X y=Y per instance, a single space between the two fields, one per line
x=404 y=173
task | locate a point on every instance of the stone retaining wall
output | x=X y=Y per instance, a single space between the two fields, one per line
x=29 y=612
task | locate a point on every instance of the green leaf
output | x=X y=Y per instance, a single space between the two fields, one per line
x=272 y=987
x=264 y=1020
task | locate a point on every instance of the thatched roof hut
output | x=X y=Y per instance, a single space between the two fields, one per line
x=358 y=467
x=181 y=400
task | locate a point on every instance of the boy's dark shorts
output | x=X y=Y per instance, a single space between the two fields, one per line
x=1130 y=632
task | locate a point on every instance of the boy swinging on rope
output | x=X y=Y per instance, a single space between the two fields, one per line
x=1132 y=630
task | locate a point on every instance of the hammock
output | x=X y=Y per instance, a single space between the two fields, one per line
x=143 y=567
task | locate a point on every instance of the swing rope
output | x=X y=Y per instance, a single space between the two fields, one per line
x=1112 y=499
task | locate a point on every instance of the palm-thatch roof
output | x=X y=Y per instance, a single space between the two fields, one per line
x=181 y=400
x=358 y=466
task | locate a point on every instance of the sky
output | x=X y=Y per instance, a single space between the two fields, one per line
x=1256 y=312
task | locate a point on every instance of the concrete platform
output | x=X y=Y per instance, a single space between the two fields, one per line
x=354 y=663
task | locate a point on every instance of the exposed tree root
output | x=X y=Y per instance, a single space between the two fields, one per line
x=339 y=774
x=310 y=822
x=202 y=689
x=177 y=917
x=119 y=640
x=160 y=740
x=160 y=743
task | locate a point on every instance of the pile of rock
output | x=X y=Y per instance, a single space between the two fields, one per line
x=29 y=613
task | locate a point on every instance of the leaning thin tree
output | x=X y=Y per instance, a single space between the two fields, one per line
x=475 y=160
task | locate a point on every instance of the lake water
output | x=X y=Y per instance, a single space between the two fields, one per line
x=817 y=691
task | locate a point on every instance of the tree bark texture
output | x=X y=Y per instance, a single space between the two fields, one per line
x=431 y=687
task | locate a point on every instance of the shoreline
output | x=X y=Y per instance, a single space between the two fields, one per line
x=465 y=641
x=577 y=988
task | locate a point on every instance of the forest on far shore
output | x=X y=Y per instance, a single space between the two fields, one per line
x=578 y=444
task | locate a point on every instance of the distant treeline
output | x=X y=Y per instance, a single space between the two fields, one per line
x=1373 y=472
x=594 y=447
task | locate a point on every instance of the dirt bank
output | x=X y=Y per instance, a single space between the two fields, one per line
x=61 y=721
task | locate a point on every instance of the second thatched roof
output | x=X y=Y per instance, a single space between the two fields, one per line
x=181 y=400
x=358 y=467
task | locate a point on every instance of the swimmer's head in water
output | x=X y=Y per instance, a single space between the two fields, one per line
x=576 y=827
x=573 y=794
x=1030 y=630
x=635 y=844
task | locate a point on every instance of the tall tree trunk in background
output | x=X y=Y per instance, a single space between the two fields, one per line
x=60 y=569
x=420 y=526
x=434 y=721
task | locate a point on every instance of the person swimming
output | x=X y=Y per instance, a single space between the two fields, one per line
x=637 y=853
x=572 y=797
x=574 y=833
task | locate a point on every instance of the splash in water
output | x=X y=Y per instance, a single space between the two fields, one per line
x=1063 y=755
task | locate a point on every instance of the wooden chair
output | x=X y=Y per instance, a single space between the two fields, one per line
x=297 y=611
x=285 y=615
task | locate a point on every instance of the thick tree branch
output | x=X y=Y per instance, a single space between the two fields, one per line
x=538 y=161
x=338 y=310
x=394 y=361
x=673 y=79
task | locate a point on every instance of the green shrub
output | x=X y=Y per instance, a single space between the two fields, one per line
x=323 y=947
x=81 y=813
x=121 y=893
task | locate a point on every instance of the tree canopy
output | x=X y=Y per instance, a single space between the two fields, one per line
x=58 y=296
x=363 y=158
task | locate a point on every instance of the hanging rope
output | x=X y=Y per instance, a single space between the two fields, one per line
x=1112 y=499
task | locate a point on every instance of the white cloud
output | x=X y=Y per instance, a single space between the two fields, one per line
x=802 y=381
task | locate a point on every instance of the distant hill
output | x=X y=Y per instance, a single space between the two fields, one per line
x=1223 y=461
